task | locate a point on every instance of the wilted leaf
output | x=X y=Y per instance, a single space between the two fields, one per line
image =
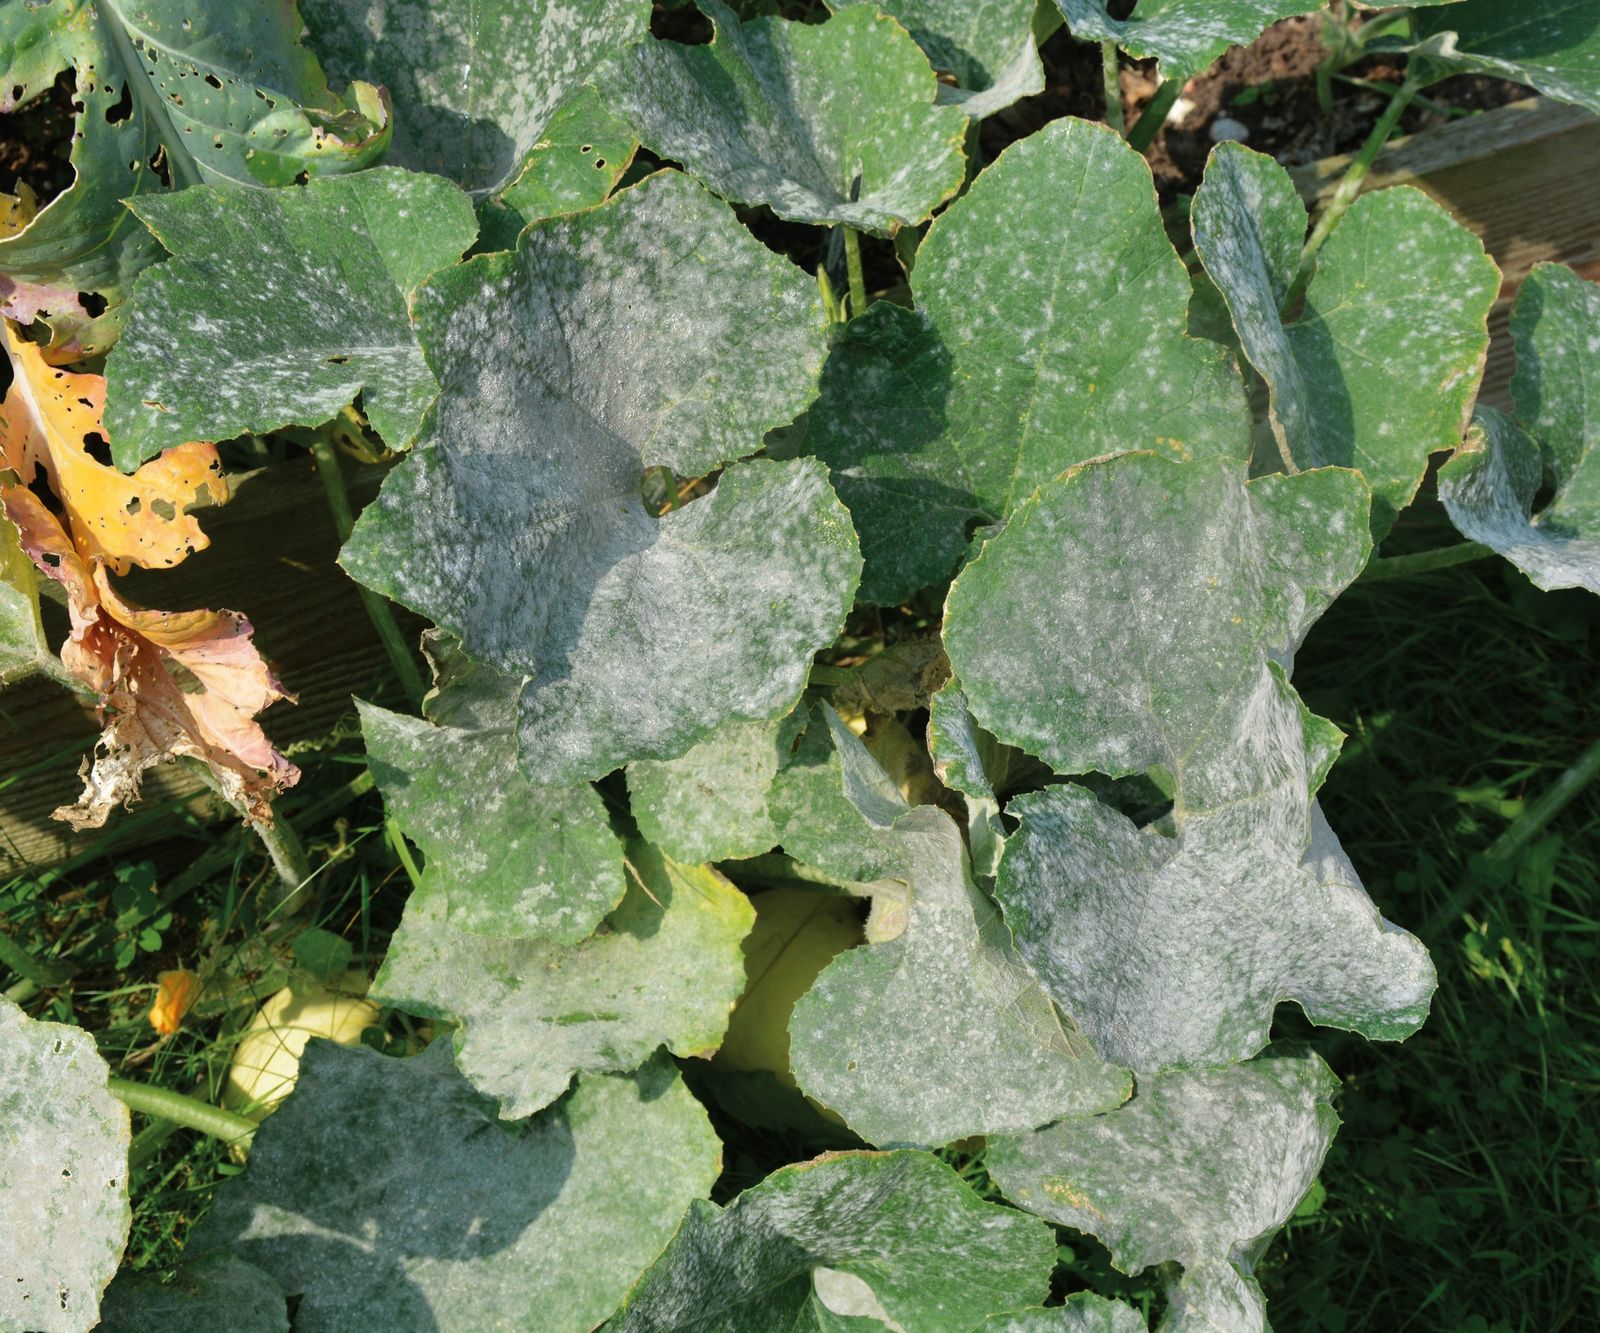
x=211 y=92
x=942 y=1032
x=789 y=1252
x=1185 y=36
x=1552 y=45
x=825 y=123
x=385 y=1194
x=63 y=1175
x=279 y=308
x=665 y=969
x=476 y=87
x=1050 y=330
x=987 y=48
x=1382 y=366
x=23 y=649
x=1490 y=486
x=1199 y=1169
x=1132 y=615
x=214 y=1290
x=517 y=523
x=505 y=857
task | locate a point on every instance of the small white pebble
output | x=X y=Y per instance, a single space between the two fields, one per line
x=1225 y=129
x=1180 y=111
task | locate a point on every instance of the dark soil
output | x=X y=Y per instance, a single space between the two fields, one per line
x=35 y=141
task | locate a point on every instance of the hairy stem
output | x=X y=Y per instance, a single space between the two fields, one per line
x=1533 y=820
x=189 y=1112
x=1424 y=562
x=378 y=610
x=1111 y=73
x=1151 y=119
x=858 y=281
x=1350 y=186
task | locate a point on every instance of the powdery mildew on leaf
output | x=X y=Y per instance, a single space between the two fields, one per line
x=710 y=804
x=214 y=1290
x=1553 y=45
x=477 y=85
x=63 y=1175
x=1199 y=1169
x=942 y=1032
x=1083 y=1312
x=279 y=308
x=385 y=1194
x=824 y=123
x=664 y=969
x=1185 y=36
x=1050 y=330
x=1490 y=486
x=1382 y=367
x=504 y=857
x=1133 y=615
x=567 y=366
x=987 y=47
x=789 y=1251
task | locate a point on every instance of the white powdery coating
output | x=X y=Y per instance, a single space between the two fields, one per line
x=1554 y=45
x=474 y=85
x=1199 y=1169
x=942 y=1032
x=1184 y=35
x=824 y=123
x=63 y=1175
x=664 y=970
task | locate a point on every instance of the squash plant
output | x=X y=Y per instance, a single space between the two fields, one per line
x=650 y=478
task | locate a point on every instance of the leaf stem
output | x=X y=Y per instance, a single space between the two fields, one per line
x=1350 y=185
x=1111 y=73
x=189 y=1112
x=1533 y=820
x=25 y=965
x=858 y=281
x=378 y=610
x=1424 y=562
x=1154 y=116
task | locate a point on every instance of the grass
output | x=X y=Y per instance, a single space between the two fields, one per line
x=1461 y=1193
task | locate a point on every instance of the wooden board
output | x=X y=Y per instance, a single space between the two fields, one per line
x=1526 y=178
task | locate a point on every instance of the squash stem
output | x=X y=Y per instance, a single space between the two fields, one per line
x=1424 y=562
x=1154 y=116
x=858 y=281
x=190 y=1112
x=1111 y=72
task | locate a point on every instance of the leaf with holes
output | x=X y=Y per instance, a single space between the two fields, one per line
x=63 y=1175
x=824 y=123
x=1490 y=485
x=1050 y=329
x=1381 y=368
x=517 y=523
x=291 y=304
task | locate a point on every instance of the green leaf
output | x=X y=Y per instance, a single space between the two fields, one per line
x=576 y=163
x=279 y=308
x=1050 y=330
x=988 y=47
x=221 y=95
x=321 y=953
x=1199 y=1169
x=214 y=1290
x=825 y=123
x=1084 y=1312
x=517 y=523
x=384 y=1194
x=476 y=87
x=1132 y=616
x=1382 y=366
x=23 y=649
x=63 y=1175
x=710 y=804
x=791 y=1251
x=665 y=969
x=1489 y=487
x=505 y=857
x=942 y=1032
x=1551 y=45
x=1185 y=36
